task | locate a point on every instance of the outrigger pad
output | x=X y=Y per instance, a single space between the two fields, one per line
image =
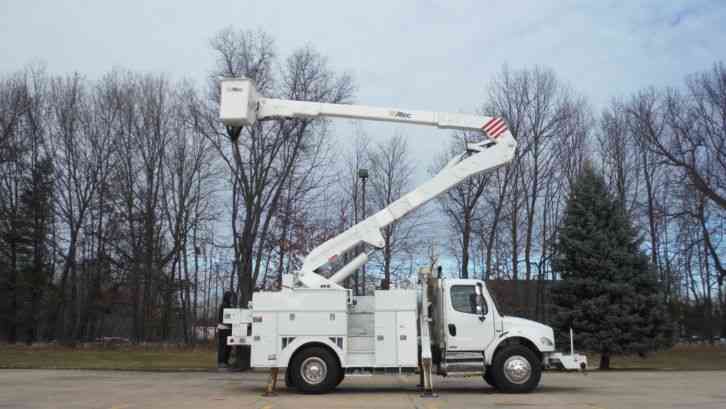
x=272 y=383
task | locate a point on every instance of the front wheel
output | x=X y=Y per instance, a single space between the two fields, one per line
x=489 y=377
x=516 y=369
x=315 y=370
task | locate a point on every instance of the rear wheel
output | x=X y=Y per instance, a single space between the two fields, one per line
x=288 y=378
x=516 y=369
x=315 y=370
x=340 y=378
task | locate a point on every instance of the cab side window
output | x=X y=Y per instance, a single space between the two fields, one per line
x=464 y=299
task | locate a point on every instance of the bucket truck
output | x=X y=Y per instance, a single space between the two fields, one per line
x=317 y=331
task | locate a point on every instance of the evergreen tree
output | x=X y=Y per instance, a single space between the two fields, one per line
x=608 y=292
x=34 y=253
x=24 y=231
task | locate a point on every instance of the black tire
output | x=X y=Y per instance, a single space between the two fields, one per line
x=489 y=377
x=340 y=378
x=288 y=379
x=510 y=384
x=327 y=365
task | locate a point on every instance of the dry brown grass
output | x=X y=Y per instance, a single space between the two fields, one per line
x=681 y=357
x=123 y=357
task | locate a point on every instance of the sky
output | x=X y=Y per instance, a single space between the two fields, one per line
x=430 y=55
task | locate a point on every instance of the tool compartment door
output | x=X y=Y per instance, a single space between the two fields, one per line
x=406 y=338
x=386 y=344
x=264 y=339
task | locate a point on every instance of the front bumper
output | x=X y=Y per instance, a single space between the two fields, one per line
x=567 y=362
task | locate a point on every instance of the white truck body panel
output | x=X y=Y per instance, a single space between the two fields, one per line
x=265 y=339
x=395 y=328
x=386 y=345
x=379 y=331
x=361 y=351
x=406 y=338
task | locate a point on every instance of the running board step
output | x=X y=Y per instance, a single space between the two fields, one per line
x=454 y=360
x=473 y=367
x=465 y=355
x=463 y=362
x=464 y=374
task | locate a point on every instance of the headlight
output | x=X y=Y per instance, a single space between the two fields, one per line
x=546 y=342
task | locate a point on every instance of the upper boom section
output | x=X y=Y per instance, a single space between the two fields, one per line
x=242 y=106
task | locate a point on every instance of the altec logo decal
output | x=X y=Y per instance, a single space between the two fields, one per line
x=400 y=114
x=494 y=127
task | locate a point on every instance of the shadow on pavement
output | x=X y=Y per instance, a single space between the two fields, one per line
x=408 y=389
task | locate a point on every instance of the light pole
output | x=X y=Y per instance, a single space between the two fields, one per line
x=363 y=175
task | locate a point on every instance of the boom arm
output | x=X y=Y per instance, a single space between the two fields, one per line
x=241 y=106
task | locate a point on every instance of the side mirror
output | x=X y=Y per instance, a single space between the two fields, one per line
x=480 y=312
x=481 y=305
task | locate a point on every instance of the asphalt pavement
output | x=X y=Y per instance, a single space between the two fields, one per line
x=81 y=389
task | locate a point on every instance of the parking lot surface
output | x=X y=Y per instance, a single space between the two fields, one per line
x=81 y=389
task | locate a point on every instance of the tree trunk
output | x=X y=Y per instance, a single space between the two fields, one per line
x=465 y=239
x=12 y=322
x=605 y=361
x=196 y=283
x=184 y=293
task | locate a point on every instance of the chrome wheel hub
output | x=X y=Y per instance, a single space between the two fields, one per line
x=313 y=370
x=517 y=369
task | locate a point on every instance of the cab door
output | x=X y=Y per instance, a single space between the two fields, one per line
x=469 y=320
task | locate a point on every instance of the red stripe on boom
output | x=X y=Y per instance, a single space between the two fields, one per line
x=495 y=127
x=498 y=130
x=491 y=124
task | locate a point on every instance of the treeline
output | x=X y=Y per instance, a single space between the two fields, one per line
x=104 y=205
x=126 y=209
x=663 y=153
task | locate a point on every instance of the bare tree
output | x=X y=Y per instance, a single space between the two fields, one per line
x=264 y=156
x=390 y=177
x=696 y=141
x=187 y=188
x=543 y=114
x=618 y=152
x=147 y=126
x=460 y=203
x=522 y=202
x=81 y=153
x=645 y=121
x=680 y=143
